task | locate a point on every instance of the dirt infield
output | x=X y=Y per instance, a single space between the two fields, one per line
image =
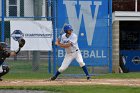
x=116 y=82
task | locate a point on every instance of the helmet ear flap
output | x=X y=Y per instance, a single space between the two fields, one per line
x=66 y=31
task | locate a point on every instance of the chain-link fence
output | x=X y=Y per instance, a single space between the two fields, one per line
x=26 y=63
x=82 y=14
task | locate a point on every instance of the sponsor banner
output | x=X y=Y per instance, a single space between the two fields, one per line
x=131 y=59
x=90 y=21
x=37 y=34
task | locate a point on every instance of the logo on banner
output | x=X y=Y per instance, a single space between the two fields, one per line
x=136 y=60
x=17 y=34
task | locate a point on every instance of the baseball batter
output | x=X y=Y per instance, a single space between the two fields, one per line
x=69 y=42
x=4 y=69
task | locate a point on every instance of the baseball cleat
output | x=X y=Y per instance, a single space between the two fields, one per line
x=1 y=79
x=88 y=78
x=53 y=78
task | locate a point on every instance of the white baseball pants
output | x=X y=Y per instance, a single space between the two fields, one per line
x=69 y=58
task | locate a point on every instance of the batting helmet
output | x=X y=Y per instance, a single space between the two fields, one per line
x=67 y=27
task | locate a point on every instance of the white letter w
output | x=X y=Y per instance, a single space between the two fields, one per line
x=86 y=13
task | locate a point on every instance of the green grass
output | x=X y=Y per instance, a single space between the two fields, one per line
x=23 y=70
x=130 y=75
x=80 y=89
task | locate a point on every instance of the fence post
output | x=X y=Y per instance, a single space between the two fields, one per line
x=2 y=22
x=54 y=36
x=110 y=36
x=36 y=54
x=49 y=61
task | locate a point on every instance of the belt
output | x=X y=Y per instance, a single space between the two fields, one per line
x=74 y=51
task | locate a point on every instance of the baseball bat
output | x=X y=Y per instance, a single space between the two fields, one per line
x=62 y=31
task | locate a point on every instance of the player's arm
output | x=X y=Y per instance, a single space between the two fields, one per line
x=64 y=45
x=58 y=43
x=21 y=44
x=8 y=54
x=70 y=43
x=14 y=53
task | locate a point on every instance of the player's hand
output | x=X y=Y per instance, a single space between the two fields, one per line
x=57 y=42
x=12 y=54
x=58 y=39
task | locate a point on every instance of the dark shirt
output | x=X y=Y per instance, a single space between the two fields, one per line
x=3 y=55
